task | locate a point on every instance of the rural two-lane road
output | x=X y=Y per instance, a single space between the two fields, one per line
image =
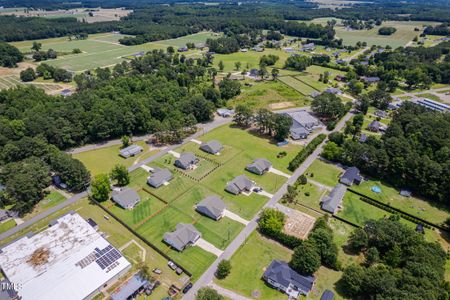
x=208 y=275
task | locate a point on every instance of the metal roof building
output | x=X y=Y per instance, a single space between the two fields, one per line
x=130 y=151
x=69 y=260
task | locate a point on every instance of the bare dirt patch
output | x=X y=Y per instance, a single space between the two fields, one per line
x=281 y=105
x=299 y=224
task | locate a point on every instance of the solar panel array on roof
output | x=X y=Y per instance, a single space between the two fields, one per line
x=107 y=257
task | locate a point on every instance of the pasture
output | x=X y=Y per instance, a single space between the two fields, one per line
x=101 y=50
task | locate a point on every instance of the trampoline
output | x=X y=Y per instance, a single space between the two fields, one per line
x=376 y=189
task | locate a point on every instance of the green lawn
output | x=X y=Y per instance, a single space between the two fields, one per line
x=270 y=94
x=308 y=195
x=358 y=211
x=102 y=160
x=5 y=226
x=248 y=264
x=298 y=85
x=51 y=200
x=313 y=82
x=324 y=173
x=415 y=206
x=430 y=96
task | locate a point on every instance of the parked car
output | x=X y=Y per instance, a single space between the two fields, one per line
x=172 y=265
x=257 y=189
x=179 y=271
x=157 y=271
x=187 y=288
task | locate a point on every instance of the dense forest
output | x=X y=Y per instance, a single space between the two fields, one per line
x=414 y=153
x=399 y=264
x=160 y=93
x=9 y=55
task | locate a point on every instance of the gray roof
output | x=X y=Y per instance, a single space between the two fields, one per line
x=371 y=79
x=186 y=160
x=129 y=288
x=331 y=202
x=259 y=166
x=212 y=146
x=363 y=138
x=130 y=150
x=350 y=175
x=374 y=125
x=7 y=293
x=239 y=184
x=333 y=91
x=159 y=177
x=299 y=132
x=224 y=112
x=280 y=272
x=127 y=198
x=211 y=206
x=183 y=235
x=327 y=295
x=303 y=118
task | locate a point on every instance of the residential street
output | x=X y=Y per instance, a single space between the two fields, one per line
x=208 y=276
x=445 y=98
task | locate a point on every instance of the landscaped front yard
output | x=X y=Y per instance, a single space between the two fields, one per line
x=324 y=173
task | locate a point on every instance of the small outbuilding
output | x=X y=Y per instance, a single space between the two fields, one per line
x=159 y=177
x=130 y=289
x=334 y=91
x=184 y=235
x=327 y=295
x=130 y=151
x=127 y=199
x=225 y=113
x=351 y=176
x=186 y=160
x=211 y=206
x=259 y=166
x=212 y=147
x=239 y=184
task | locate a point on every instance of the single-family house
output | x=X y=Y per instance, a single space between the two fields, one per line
x=308 y=47
x=332 y=202
x=280 y=276
x=183 y=49
x=334 y=91
x=130 y=151
x=239 y=184
x=302 y=124
x=259 y=166
x=159 y=177
x=186 y=160
x=374 y=126
x=381 y=114
x=183 y=236
x=351 y=176
x=327 y=295
x=211 y=206
x=212 y=147
x=225 y=113
x=127 y=198
x=341 y=78
x=370 y=80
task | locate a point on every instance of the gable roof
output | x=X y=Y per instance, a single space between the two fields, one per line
x=130 y=150
x=333 y=91
x=280 y=272
x=239 y=184
x=129 y=288
x=126 y=198
x=212 y=146
x=331 y=202
x=186 y=159
x=327 y=295
x=350 y=175
x=259 y=166
x=302 y=118
x=183 y=235
x=374 y=125
x=159 y=176
x=212 y=206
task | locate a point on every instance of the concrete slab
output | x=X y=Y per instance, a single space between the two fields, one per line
x=207 y=246
x=147 y=168
x=265 y=194
x=278 y=172
x=175 y=154
x=235 y=217
x=196 y=141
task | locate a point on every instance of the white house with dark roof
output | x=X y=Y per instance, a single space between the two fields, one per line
x=259 y=166
x=130 y=151
x=212 y=147
x=211 y=206
x=280 y=276
x=239 y=184
x=184 y=235
x=127 y=198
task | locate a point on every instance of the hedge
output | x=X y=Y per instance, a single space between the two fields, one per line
x=305 y=152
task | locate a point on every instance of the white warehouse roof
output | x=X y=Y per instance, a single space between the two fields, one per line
x=69 y=260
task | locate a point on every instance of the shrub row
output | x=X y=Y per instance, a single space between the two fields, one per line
x=305 y=152
x=286 y=240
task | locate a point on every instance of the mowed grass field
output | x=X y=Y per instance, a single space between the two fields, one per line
x=161 y=209
x=11 y=81
x=101 y=50
x=102 y=160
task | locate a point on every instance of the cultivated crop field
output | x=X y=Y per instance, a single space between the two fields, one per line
x=11 y=81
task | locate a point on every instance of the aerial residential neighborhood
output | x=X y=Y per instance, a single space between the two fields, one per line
x=224 y=150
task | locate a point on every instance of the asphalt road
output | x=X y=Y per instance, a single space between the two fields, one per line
x=208 y=275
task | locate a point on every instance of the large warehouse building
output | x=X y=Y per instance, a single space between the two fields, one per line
x=69 y=260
